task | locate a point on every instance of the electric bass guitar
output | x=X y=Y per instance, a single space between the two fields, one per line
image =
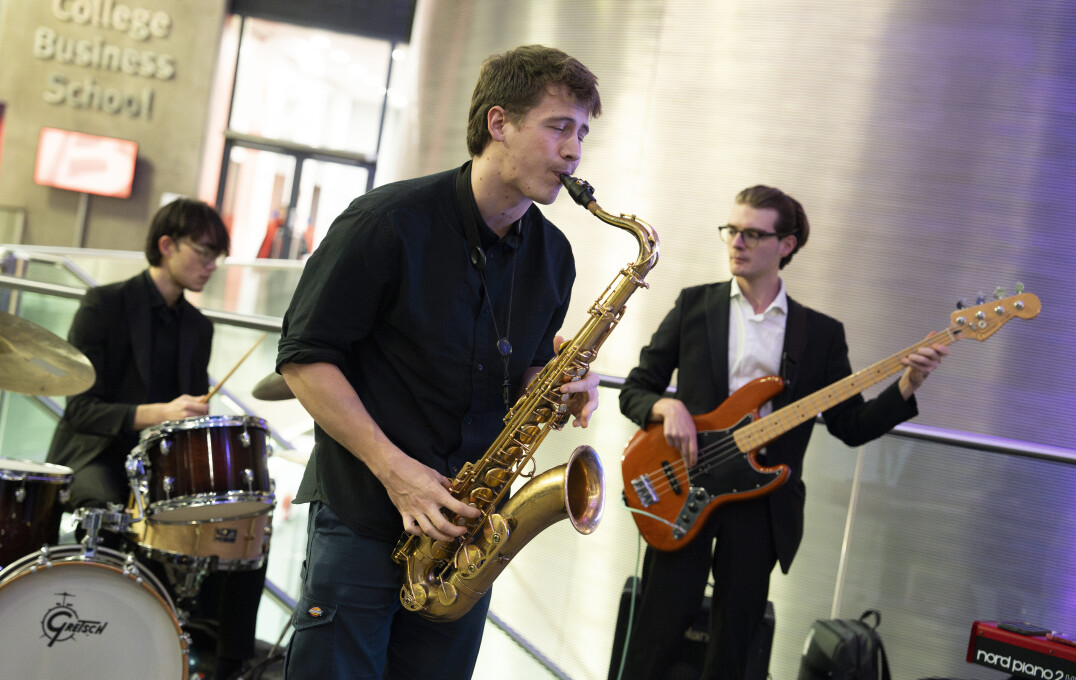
x=671 y=502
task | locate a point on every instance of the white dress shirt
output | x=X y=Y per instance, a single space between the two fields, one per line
x=755 y=340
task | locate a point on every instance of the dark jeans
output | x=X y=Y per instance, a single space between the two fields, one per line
x=349 y=622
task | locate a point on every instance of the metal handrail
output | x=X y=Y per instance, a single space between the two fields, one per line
x=906 y=430
x=937 y=435
x=54 y=289
x=927 y=433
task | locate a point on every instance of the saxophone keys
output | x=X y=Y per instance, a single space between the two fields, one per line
x=460 y=520
x=446 y=594
x=512 y=454
x=496 y=477
x=528 y=433
x=468 y=559
x=497 y=530
x=482 y=495
x=436 y=551
x=414 y=596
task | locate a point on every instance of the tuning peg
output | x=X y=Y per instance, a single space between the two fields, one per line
x=980 y=299
x=999 y=293
x=1019 y=287
x=961 y=303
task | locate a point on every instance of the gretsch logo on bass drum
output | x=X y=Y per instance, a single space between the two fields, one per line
x=61 y=622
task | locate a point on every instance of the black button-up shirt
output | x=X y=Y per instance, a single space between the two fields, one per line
x=390 y=297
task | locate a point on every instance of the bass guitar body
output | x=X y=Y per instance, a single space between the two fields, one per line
x=673 y=501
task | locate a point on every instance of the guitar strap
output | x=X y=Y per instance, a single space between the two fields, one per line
x=795 y=342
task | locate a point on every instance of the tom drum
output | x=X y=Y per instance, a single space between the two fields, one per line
x=202 y=469
x=30 y=498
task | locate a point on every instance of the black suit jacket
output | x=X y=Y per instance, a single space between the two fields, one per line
x=693 y=338
x=113 y=328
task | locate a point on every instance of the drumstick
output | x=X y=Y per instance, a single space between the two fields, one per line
x=229 y=374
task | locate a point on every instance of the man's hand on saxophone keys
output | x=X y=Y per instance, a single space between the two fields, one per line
x=419 y=493
x=581 y=394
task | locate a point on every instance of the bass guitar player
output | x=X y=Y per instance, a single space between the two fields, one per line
x=719 y=337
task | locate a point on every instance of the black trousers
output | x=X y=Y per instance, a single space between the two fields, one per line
x=737 y=548
x=231 y=599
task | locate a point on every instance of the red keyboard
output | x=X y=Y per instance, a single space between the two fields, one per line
x=1022 y=649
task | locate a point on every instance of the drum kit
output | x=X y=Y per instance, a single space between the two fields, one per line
x=201 y=501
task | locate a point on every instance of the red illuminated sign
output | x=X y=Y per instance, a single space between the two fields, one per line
x=87 y=163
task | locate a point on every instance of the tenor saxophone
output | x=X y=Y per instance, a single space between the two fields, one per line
x=444 y=579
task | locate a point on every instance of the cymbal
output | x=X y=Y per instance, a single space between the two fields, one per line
x=272 y=388
x=36 y=361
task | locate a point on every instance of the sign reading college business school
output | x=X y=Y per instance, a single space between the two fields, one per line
x=109 y=37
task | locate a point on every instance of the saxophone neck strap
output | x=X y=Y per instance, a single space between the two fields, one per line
x=466 y=207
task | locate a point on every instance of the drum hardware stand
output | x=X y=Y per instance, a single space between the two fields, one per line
x=93 y=520
x=187 y=578
x=136 y=474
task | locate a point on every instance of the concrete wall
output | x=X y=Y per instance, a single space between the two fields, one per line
x=56 y=72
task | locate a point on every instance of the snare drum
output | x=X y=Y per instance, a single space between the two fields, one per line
x=204 y=468
x=71 y=616
x=30 y=498
x=231 y=545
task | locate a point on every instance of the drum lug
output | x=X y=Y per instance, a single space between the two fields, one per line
x=65 y=495
x=165 y=447
x=244 y=439
x=168 y=483
x=44 y=559
x=20 y=493
x=248 y=476
x=130 y=567
x=136 y=467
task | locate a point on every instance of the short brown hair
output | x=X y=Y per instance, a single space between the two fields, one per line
x=517 y=80
x=791 y=218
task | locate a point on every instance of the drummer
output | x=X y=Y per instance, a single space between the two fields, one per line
x=150 y=349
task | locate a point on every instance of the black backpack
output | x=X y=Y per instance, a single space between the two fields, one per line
x=844 y=649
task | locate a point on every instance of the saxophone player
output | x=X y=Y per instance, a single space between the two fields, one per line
x=429 y=304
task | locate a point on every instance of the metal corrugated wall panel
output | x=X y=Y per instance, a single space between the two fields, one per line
x=932 y=144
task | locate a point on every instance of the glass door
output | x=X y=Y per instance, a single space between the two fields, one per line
x=308 y=109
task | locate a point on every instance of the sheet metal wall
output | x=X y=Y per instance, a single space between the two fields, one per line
x=931 y=142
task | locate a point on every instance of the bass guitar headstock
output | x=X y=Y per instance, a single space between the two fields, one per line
x=984 y=319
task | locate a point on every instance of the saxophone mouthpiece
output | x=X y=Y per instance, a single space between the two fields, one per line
x=580 y=191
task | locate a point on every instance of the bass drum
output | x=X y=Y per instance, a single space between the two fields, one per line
x=66 y=615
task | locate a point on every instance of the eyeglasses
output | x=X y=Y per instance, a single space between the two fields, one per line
x=751 y=237
x=208 y=256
